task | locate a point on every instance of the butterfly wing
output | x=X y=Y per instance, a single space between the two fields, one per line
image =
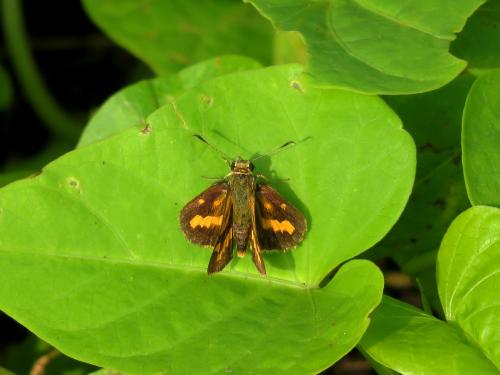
x=280 y=225
x=254 y=238
x=207 y=219
x=223 y=249
x=202 y=218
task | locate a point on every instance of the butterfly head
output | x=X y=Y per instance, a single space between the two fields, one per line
x=241 y=166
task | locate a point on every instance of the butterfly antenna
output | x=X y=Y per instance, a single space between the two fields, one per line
x=224 y=156
x=283 y=147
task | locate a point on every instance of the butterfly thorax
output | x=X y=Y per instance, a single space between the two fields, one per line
x=242 y=183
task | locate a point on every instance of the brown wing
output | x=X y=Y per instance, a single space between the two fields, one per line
x=280 y=225
x=202 y=219
x=254 y=239
x=223 y=249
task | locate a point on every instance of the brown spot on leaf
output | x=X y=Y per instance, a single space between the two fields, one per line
x=297 y=86
x=146 y=129
x=73 y=183
x=208 y=100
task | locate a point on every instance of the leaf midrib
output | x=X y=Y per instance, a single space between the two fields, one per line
x=170 y=266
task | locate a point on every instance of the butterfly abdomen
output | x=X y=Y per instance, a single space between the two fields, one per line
x=242 y=192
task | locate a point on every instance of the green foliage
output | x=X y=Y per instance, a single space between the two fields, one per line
x=480 y=140
x=132 y=105
x=434 y=120
x=123 y=191
x=92 y=257
x=468 y=277
x=468 y=280
x=376 y=46
x=478 y=42
x=169 y=35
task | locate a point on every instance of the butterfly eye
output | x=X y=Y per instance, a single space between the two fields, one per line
x=232 y=165
x=251 y=166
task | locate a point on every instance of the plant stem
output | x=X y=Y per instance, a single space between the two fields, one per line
x=55 y=118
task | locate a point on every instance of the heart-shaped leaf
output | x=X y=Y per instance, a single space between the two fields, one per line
x=133 y=104
x=468 y=278
x=376 y=46
x=169 y=35
x=469 y=275
x=481 y=140
x=112 y=280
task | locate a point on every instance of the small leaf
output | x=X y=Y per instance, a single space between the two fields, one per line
x=376 y=46
x=481 y=140
x=133 y=104
x=469 y=275
x=169 y=35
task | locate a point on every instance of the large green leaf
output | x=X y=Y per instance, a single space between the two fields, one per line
x=481 y=140
x=376 y=46
x=113 y=281
x=133 y=104
x=479 y=40
x=434 y=120
x=169 y=35
x=468 y=276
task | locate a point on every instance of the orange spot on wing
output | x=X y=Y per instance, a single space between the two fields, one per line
x=201 y=201
x=216 y=203
x=205 y=222
x=279 y=226
x=268 y=206
x=283 y=206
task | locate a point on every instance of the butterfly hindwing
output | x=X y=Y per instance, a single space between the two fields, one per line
x=204 y=219
x=280 y=225
x=223 y=249
x=254 y=239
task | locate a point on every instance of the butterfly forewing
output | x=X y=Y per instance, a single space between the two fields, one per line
x=204 y=219
x=280 y=225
